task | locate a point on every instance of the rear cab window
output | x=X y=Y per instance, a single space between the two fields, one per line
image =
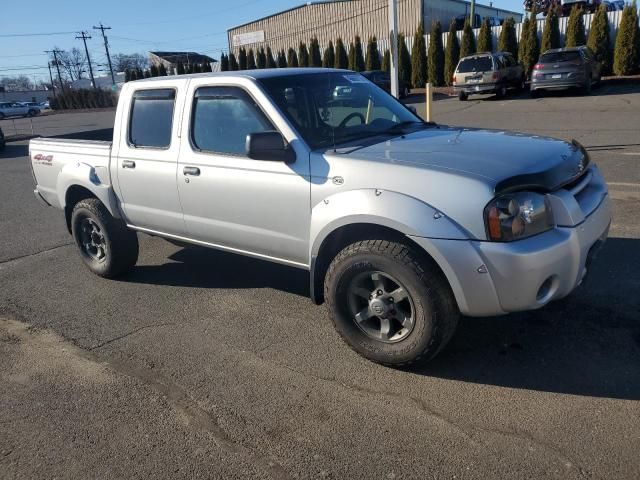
x=559 y=57
x=151 y=118
x=475 y=64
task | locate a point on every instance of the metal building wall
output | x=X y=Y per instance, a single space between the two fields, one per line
x=328 y=21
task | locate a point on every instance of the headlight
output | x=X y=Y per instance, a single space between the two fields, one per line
x=517 y=215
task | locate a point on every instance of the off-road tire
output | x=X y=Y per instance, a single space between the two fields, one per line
x=462 y=96
x=436 y=312
x=121 y=251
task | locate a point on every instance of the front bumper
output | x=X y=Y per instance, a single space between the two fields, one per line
x=492 y=278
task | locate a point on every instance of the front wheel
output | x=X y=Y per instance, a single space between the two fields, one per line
x=106 y=245
x=388 y=304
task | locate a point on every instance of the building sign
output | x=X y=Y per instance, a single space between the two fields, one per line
x=247 y=38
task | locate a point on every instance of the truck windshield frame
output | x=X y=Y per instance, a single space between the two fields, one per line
x=337 y=107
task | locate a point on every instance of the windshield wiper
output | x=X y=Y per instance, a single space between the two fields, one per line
x=399 y=127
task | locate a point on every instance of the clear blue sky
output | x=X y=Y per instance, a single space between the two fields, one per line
x=137 y=26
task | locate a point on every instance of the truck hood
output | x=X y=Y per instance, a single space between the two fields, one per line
x=507 y=161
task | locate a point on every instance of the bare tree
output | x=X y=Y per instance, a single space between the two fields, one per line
x=19 y=82
x=133 y=61
x=72 y=63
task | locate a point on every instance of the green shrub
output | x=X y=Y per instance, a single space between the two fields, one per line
x=303 y=55
x=251 y=60
x=404 y=64
x=451 y=53
x=485 y=39
x=329 y=56
x=372 y=58
x=351 y=57
x=292 y=58
x=627 y=51
x=341 y=55
x=436 y=56
x=468 y=45
x=315 y=59
x=224 y=62
x=419 y=58
x=359 y=57
x=551 y=31
x=508 y=40
x=261 y=58
x=83 y=98
x=271 y=63
x=386 y=61
x=575 y=35
x=282 y=59
x=599 y=40
x=233 y=63
x=242 y=59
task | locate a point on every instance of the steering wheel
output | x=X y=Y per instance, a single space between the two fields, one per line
x=346 y=119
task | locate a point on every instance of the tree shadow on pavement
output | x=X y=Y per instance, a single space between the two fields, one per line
x=586 y=344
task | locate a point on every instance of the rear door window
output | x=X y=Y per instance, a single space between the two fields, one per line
x=478 y=64
x=151 y=118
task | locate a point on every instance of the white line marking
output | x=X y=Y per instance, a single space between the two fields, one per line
x=637 y=154
x=623 y=184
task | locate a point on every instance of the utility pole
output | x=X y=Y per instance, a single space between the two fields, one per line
x=53 y=86
x=393 y=38
x=85 y=36
x=55 y=59
x=102 y=28
x=472 y=20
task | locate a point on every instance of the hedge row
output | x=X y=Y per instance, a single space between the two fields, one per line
x=83 y=98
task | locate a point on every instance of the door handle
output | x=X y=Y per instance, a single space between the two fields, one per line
x=195 y=171
x=128 y=164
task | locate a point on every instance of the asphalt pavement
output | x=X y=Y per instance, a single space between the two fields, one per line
x=203 y=364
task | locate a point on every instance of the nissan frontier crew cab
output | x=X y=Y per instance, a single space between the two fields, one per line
x=403 y=225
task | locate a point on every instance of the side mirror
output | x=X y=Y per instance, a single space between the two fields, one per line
x=269 y=146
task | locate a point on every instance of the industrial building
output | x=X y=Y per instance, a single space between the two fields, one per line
x=328 y=20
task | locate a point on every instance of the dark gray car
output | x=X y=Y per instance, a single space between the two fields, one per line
x=564 y=68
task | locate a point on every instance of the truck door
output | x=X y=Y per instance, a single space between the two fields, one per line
x=229 y=200
x=146 y=161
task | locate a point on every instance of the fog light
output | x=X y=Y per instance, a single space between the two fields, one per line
x=547 y=289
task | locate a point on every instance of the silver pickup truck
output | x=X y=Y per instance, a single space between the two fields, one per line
x=403 y=225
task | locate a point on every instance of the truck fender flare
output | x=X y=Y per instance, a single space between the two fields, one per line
x=399 y=212
x=96 y=180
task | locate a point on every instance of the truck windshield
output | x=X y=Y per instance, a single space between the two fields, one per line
x=337 y=107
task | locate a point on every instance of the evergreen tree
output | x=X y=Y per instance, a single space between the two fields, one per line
x=627 y=50
x=404 y=64
x=372 y=59
x=599 y=41
x=251 y=60
x=508 y=40
x=436 y=56
x=233 y=63
x=282 y=59
x=532 y=46
x=575 y=35
x=207 y=67
x=153 y=70
x=242 y=59
x=419 y=57
x=485 y=38
x=271 y=63
x=315 y=59
x=139 y=74
x=147 y=74
x=162 y=70
x=292 y=58
x=551 y=31
x=468 y=45
x=261 y=58
x=127 y=75
x=359 y=57
x=197 y=68
x=179 y=68
x=522 y=46
x=329 y=56
x=224 y=62
x=386 y=61
x=451 y=53
x=352 y=57
x=341 y=55
x=188 y=69
x=303 y=55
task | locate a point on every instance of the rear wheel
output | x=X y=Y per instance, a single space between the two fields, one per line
x=106 y=245
x=389 y=305
x=462 y=96
x=534 y=93
x=586 y=89
x=502 y=91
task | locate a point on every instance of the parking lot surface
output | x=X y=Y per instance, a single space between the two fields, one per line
x=203 y=364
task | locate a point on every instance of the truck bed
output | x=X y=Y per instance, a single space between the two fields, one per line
x=50 y=156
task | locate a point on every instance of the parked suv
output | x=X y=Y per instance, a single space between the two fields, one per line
x=17 y=109
x=383 y=80
x=2 y=140
x=564 y=68
x=487 y=73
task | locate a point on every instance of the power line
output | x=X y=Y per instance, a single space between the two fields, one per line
x=5 y=35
